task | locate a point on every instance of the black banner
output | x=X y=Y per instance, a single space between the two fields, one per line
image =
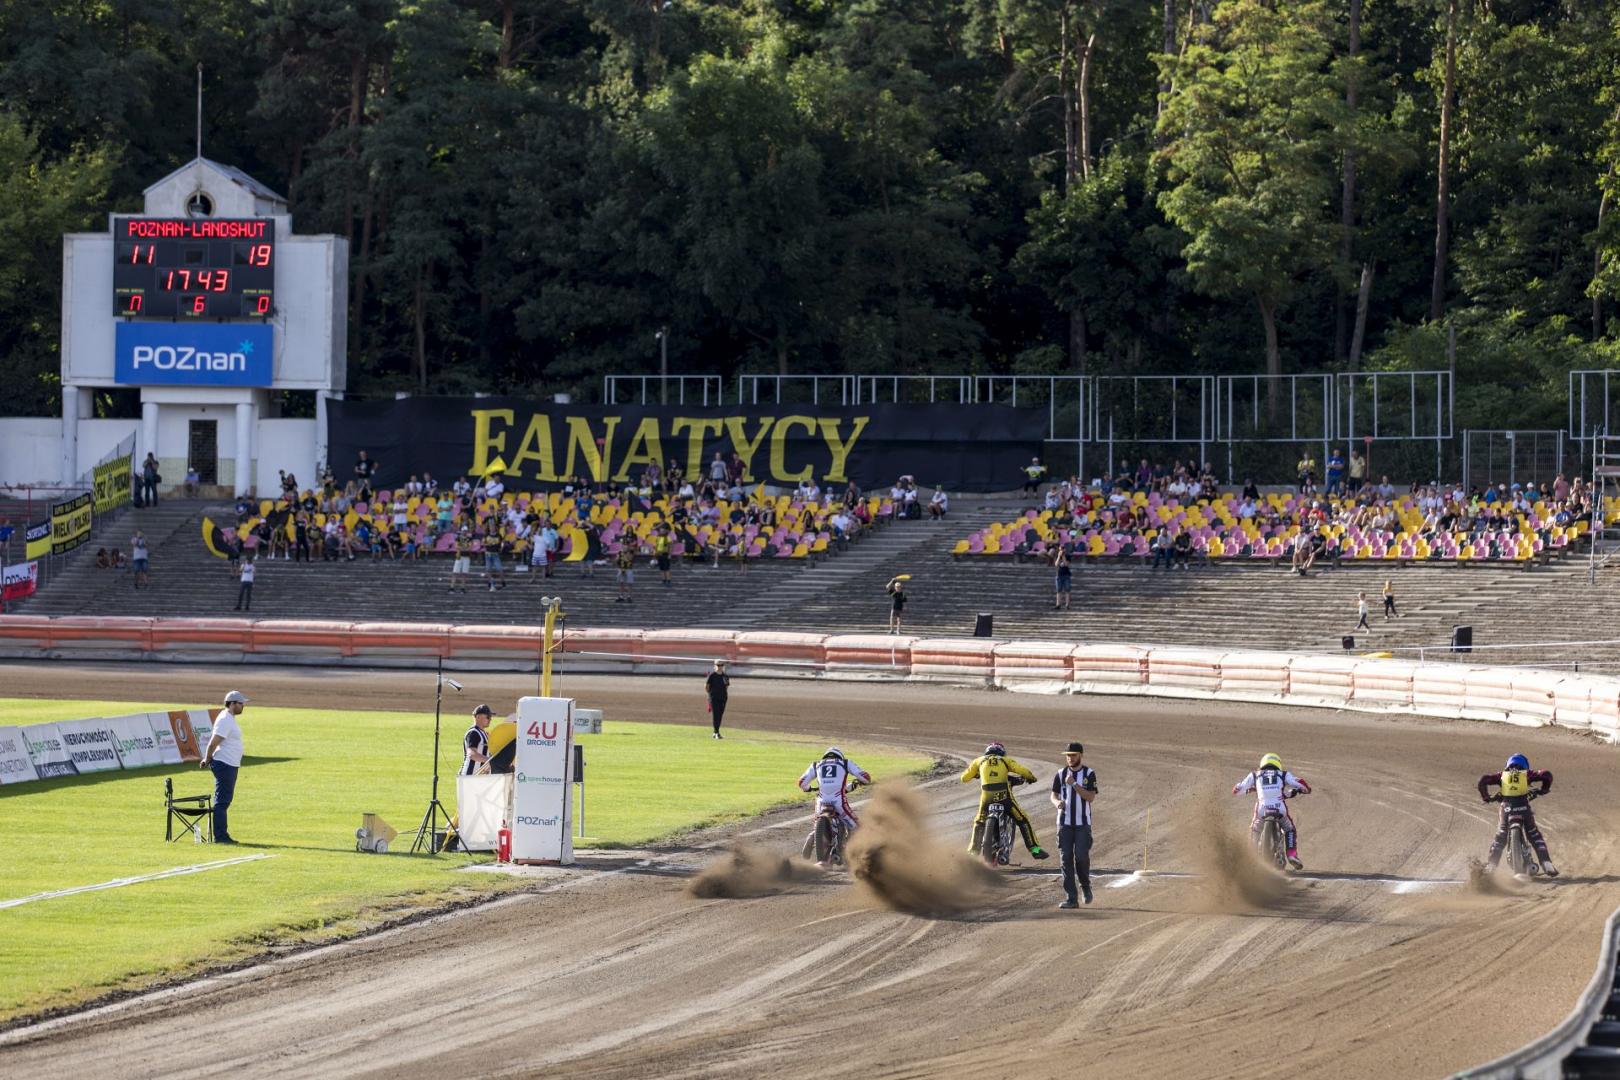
x=70 y=524
x=965 y=447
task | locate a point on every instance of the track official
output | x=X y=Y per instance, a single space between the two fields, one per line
x=1073 y=788
x=223 y=757
x=718 y=687
x=475 y=744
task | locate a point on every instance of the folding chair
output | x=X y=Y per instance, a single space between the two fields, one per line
x=195 y=813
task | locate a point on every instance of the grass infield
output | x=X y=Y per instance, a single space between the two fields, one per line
x=308 y=776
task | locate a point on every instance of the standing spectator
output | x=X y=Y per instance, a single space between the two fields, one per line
x=1358 y=471
x=223 y=758
x=717 y=685
x=625 y=563
x=193 y=482
x=149 y=481
x=718 y=470
x=897 y=598
x=140 y=558
x=475 y=744
x=364 y=469
x=1073 y=788
x=301 y=537
x=1361 y=612
x=494 y=572
x=1305 y=470
x=1389 y=600
x=1065 y=577
x=1335 y=471
x=1034 y=473
x=593 y=550
x=461 y=569
x=661 y=551
x=244 y=593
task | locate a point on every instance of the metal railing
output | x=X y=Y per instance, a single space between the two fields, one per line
x=1491 y=455
x=1545 y=1058
x=657 y=389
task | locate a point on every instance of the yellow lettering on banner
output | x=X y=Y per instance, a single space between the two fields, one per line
x=745 y=449
x=694 y=443
x=583 y=439
x=536 y=446
x=779 y=471
x=646 y=448
x=840 y=449
x=485 y=440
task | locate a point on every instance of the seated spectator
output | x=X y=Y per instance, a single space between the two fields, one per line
x=1163 y=549
x=939 y=504
x=103 y=560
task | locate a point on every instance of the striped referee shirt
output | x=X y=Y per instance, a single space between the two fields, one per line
x=1073 y=809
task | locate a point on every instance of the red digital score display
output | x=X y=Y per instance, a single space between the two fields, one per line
x=180 y=268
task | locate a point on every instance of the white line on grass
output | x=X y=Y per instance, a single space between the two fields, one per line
x=117 y=883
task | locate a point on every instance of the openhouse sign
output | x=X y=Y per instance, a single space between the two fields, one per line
x=194 y=354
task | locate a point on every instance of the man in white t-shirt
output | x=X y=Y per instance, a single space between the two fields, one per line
x=244 y=594
x=223 y=757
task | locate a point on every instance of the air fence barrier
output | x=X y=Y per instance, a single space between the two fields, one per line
x=1513 y=695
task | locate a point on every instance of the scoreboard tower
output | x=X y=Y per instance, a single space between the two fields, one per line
x=214 y=308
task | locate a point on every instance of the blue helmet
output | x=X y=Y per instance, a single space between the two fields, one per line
x=1518 y=761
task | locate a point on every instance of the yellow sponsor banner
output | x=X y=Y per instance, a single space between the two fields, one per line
x=112 y=482
x=39 y=539
x=70 y=523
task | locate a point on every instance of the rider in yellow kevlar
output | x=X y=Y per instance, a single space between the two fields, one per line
x=992 y=770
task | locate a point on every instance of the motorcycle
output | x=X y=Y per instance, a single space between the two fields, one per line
x=829 y=834
x=996 y=843
x=1521 y=857
x=1272 y=839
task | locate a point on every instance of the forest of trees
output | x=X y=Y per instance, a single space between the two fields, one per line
x=533 y=188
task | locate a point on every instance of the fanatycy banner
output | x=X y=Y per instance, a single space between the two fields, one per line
x=966 y=447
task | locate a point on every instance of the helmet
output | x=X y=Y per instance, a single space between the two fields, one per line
x=1271 y=761
x=995 y=749
x=833 y=752
x=1518 y=761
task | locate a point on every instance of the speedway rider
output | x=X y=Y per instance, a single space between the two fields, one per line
x=1513 y=784
x=831 y=776
x=993 y=770
x=1272 y=784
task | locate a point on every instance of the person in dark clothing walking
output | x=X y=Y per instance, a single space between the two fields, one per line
x=717 y=686
x=1073 y=788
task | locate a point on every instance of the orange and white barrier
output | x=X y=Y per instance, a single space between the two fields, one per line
x=1109 y=669
x=869 y=655
x=1034 y=666
x=1524 y=696
x=970 y=660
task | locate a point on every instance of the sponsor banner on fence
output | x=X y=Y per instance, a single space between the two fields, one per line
x=185 y=739
x=541 y=802
x=112 y=483
x=19 y=580
x=968 y=447
x=70 y=523
x=15 y=764
x=46 y=751
x=90 y=744
x=163 y=735
x=193 y=354
x=133 y=739
x=39 y=539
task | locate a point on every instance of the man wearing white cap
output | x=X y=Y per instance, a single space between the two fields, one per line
x=224 y=758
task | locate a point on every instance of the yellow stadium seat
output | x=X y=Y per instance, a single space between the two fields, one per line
x=961 y=548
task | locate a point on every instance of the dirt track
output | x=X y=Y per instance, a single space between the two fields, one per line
x=626 y=975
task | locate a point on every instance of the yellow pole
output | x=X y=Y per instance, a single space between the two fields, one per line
x=552 y=613
x=1147 y=827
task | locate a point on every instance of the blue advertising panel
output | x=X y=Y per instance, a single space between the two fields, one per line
x=194 y=354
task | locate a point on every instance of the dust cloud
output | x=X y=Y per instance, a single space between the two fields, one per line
x=900 y=865
x=1233 y=879
x=744 y=871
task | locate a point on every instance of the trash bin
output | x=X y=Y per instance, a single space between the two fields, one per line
x=1348 y=641
x=1462 y=639
x=982 y=625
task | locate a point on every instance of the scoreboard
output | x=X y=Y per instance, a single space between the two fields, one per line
x=186 y=268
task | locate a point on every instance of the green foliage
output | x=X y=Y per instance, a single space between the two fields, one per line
x=532 y=188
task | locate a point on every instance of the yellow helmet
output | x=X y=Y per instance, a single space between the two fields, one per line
x=1271 y=761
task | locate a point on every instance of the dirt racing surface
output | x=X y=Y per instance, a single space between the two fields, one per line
x=1381 y=959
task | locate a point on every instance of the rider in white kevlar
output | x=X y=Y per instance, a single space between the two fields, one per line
x=830 y=778
x=1269 y=783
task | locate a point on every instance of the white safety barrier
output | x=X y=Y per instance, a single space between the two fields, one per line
x=1523 y=696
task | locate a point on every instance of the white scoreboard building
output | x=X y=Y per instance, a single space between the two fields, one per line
x=211 y=306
